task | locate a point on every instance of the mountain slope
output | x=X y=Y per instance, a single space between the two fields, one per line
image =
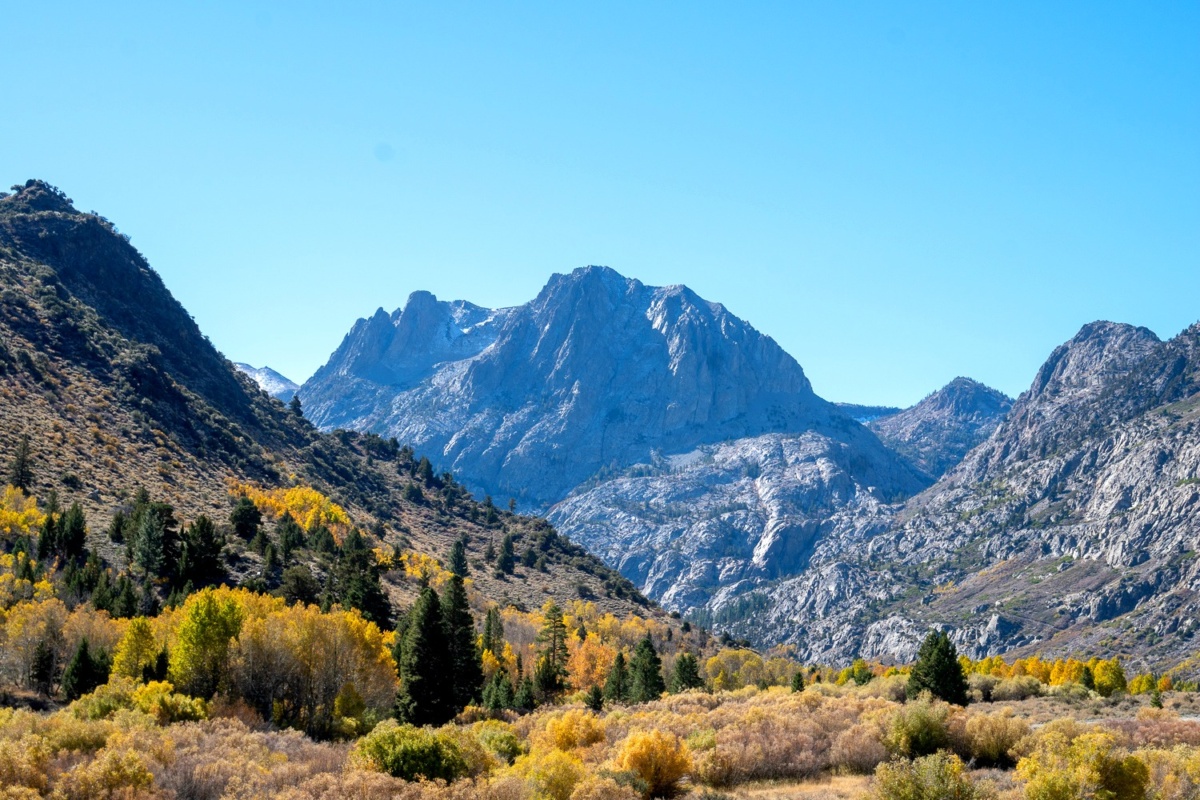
x=117 y=388
x=596 y=374
x=270 y=381
x=939 y=431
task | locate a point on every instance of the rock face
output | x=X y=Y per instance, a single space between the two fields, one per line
x=270 y=381
x=939 y=431
x=596 y=374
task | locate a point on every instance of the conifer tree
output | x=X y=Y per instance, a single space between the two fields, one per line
x=552 y=662
x=507 y=559
x=116 y=527
x=687 y=673
x=20 y=471
x=125 y=604
x=798 y=681
x=458 y=558
x=200 y=553
x=938 y=671
x=466 y=667
x=498 y=693
x=289 y=534
x=493 y=631
x=525 y=699
x=357 y=581
x=296 y=406
x=84 y=672
x=245 y=518
x=426 y=692
x=72 y=535
x=149 y=550
x=48 y=537
x=616 y=686
x=595 y=698
x=645 y=673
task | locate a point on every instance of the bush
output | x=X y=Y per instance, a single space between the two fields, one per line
x=990 y=738
x=159 y=700
x=658 y=758
x=858 y=749
x=1020 y=688
x=573 y=729
x=935 y=777
x=499 y=738
x=552 y=773
x=982 y=686
x=1088 y=765
x=918 y=728
x=602 y=788
x=404 y=751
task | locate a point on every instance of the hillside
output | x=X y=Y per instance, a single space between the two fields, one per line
x=117 y=389
x=270 y=381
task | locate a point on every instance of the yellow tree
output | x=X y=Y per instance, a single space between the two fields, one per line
x=589 y=662
x=137 y=649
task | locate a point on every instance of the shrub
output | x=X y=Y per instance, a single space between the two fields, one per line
x=982 y=685
x=113 y=773
x=990 y=738
x=500 y=738
x=159 y=700
x=552 y=773
x=934 y=777
x=602 y=788
x=24 y=763
x=1088 y=765
x=918 y=728
x=658 y=758
x=858 y=749
x=1019 y=688
x=573 y=729
x=404 y=751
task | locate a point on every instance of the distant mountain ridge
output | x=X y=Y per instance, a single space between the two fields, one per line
x=270 y=381
x=599 y=372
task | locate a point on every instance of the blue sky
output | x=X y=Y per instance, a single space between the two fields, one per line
x=896 y=195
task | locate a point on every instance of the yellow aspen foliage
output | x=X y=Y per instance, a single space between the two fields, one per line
x=571 y=730
x=1143 y=684
x=211 y=619
x=553 y=774
x=1089 y=765
x=1068 y=671
x=1166 y=683
x=657 y=757
x=19 y=514
x=27 y=625
x=589 y=661
x=424 y=568
x=1110 y=677
x=307 y=506
x=13 y=590
x=137 y=649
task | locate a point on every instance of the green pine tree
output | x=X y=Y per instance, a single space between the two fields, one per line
x=426 y=695
x=84 y=672
x=498 y=693
x=245 y=518
x=507 y=560
x=200 y=554
x=296 y=406
x=458 y=558
x=595 y=698
x=149 y=551
x=937 y=670
x=798 y=681
x=616 y=686
x=493 y=631
x=552 y=655
x=687 y=673
x=645 y=673
x=466 y=667
x=357 y=581
x=20 y=470
x=526 y=698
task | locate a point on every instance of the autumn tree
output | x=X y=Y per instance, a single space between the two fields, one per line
x=137 y=650
x=938 y=670
x=210 y=621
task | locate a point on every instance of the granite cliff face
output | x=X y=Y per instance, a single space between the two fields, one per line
x=596 y=374
x=939 y=431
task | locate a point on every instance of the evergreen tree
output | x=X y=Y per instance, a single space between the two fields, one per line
x=84 y=672
x=200 y=553
x=102 y=595
x=458 y=558
x=125 y=604
x=507 y=559
x=148 y=605
x=357 y=581
x=295 y=405
x=117 y=526
x=553 y=653
x=72 y=535
x=48 y=538
x=20 y=471
x=426 y=695
x=493 y=631
x=645 y=673
x=687 y=673
x=290 y=536
x=424 y=472
x=466 y=667
x=44 y=670
x=798 y=681
x=498 y=693
x=245 y=518
x=938 y=671
x=616 y=687
x=298 y=585
x=1088 y=679
x=525 y=699
x=149 y=550
x=595 y=698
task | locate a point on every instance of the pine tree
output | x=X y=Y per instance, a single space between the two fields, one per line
x=84 y=672
x=20 y=472
x=466 y=667
x=149 y=551
x=493 y=631
x=296 y=406
x=798 y=681
x=525 y=699
x=116 y=528
x=548 y=679
x=297 y=585
x=200 y=553
x=357 y=581
x=595 y=698
x=616 y=687
x=498 y=693
x=245 y=518
x=72 y=535
x=507 y=559
x=426 y=692
x=125 y=603
x=290 y=536
x=645 y=673
x=687 y=673
x=938 y=671
x=44 y=670
x=48 y=537
x=458 y=558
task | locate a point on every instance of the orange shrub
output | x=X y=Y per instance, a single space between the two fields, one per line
x=658 y=758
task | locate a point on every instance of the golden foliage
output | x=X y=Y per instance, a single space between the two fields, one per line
x=659 y=758
x=19 y=514
x=307 y=506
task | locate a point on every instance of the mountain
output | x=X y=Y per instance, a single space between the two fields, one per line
x=866 y=414
x=939 y=431
x=270 y=381
x=598 y=373
x=117 y=389
x=1071 y=529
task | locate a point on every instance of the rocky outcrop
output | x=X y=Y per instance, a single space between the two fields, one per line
x=939 y=431
x=596 y=374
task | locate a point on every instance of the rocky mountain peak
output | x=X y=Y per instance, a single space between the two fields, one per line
x=1099 y=353
x=37 y=195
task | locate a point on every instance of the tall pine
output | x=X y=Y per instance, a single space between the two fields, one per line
x=616 y=687
x=466 y=666
x=20 y=471
x=426 y=695
x=687 y=673
x=937 y=670
x=645 y=673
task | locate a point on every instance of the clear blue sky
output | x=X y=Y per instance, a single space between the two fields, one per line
x=896 y=195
